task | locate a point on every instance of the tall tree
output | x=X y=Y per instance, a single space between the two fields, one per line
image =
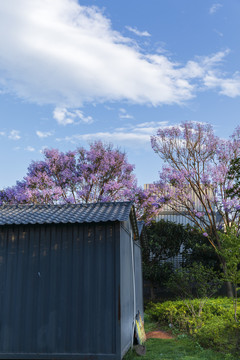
x=101 y=173
x=195 y=181
x=164 y=240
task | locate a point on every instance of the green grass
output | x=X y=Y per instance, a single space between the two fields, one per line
x=177 y=349
x=180 y=348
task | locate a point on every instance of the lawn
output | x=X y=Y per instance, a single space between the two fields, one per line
x=177 y=349
x=181 y=347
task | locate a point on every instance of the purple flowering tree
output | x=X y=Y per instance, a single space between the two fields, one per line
x=194 y=181
x=99 y=174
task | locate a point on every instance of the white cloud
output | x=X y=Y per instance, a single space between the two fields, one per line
x=59 y=52
x=219 y=33
x=2 y=133
x=14 y=135
x=110 y=137
x=66 y=117
x=124 y=115
x=44 y=134
x=43 y=148
x=228 y=86
x=137 y=32
x=130 y=135
x=214 y=8
x=30 y=148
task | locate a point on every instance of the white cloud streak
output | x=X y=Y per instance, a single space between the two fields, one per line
x=44 y=134
x=59 y=52
x=228 y=87
x=124 y=115
x=30 y=148
x=137 y=32
x=130 y=135
x=214 y=8
x=14 y=135
x=66 y=117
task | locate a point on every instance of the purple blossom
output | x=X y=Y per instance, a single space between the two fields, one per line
x=195 y=179
x=101 y=173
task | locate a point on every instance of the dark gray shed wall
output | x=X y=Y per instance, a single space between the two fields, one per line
x=53 y=281
x=127 y=290
x=138 y=278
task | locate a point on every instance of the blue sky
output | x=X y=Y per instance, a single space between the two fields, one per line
x=75 y=71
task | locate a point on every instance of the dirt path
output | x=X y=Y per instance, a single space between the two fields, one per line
x=158 y=335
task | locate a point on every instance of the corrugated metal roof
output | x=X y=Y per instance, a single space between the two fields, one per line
x=66 y=213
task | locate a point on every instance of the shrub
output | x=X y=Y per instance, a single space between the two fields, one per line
x=214 y=328
x=219 y=333
x=180 y=315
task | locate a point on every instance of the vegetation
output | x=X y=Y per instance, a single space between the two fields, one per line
x=182 y=347
x=164 y=239
x=214 y=328
x=195 y=180
x=194 y=282
x=230 y=251
x=197 y=248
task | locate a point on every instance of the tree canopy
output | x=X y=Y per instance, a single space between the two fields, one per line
x=194 y=181
x=101 y=173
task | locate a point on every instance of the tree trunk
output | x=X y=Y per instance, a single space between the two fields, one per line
x=152 y=294
x=229 y=289
x=230 y=293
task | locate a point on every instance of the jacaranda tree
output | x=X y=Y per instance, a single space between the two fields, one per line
x=194 y=181
x=101 y=173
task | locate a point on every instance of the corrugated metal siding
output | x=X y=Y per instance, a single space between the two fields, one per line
x=127 y=293
x=174 y=217
x=57 y=289
x=138 y=278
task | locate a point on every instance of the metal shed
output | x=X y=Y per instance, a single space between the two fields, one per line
x=70 y=280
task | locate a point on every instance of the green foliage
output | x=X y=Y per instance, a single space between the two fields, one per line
x=214 y=328
x=196 y=281
x=197 y=248
x=230 y=252
x=193 y=281
x=179 y=315
x=220 y=333
x=182 y=347
x=158 y=273
x=164 y=241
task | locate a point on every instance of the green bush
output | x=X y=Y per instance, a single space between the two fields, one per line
x=214 y=327
x=220 y=334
